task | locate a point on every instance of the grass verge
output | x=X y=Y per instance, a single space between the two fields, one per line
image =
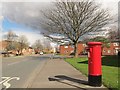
x=109 y=69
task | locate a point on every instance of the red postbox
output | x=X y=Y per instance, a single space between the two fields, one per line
x=94 y=64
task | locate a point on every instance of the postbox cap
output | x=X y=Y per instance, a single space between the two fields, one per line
x=94 y=43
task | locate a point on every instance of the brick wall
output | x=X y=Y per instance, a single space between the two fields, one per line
x=68 y=49
x=81 y=48
x=112 y=50
x=27 y=51
x=3 y=45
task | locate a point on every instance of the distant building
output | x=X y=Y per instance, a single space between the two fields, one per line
x=69 y=49
x=3 y=45
x=66 y=49
x=25 y=51
x=112 y=50
x=28 y=51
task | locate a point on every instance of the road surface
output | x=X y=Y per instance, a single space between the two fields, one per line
x=17 y=72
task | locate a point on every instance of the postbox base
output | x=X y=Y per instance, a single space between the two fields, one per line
x=95 y=80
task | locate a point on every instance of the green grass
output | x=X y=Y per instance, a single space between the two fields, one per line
x=109 y=69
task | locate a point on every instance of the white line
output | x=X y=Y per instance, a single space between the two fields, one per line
x=8 y=84
x=13 y=63
x=16 y=62
x=7 y=79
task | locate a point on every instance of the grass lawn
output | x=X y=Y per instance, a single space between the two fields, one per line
x=109 y=69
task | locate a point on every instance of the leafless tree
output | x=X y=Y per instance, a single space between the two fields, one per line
x=11 y=36
x=46 y=44
x=113 y=35
x=37 y=46
x=22 y=40
x=74 y=19
x=11 y=39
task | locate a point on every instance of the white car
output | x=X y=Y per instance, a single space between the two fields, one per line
x=41 y=53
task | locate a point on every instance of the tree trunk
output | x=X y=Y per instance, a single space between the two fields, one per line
x=21 y=49
x=75 y=50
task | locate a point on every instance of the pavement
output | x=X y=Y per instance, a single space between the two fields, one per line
x=56 y=73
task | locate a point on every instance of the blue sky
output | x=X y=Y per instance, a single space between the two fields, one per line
x=19 y=29
x=7 y=25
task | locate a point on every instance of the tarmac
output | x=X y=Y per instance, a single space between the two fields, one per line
x=57 y=73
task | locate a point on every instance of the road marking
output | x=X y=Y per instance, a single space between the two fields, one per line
x=16 y=62
x=13 y=63
x=7 y=79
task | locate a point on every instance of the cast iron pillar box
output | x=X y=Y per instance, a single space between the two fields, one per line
x=94 y=64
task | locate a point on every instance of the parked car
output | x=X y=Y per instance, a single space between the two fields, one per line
x=41 y=53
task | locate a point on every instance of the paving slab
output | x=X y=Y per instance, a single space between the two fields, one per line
x=56 y=73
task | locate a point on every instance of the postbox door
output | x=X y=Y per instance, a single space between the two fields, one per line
x=94 y=60
x=97 y=60
x=90 y=62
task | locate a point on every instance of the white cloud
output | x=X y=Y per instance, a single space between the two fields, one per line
x=28 y=0
x=31 y=36
x=29 y=13
x=111 y=5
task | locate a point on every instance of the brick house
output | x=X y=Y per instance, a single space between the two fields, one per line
x=68 y=49
x=26 y=51
x=3 y=45
x=112 y=50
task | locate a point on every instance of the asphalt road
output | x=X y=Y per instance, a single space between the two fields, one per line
x=17 y=72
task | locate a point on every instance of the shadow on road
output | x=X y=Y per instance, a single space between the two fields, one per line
x=63 y=77
x=69 y=81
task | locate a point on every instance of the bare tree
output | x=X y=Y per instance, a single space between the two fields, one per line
x=10 y=36
x=37 y=46
x=113 y=34
x=23 y=42
x=74 y=19
x=11 y=39
x=46 y=44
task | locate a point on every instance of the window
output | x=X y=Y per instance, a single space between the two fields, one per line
x=115 y=51
x=84 y=45
x=115 y=44
x=104 y=51
x=66 y=46
x=66 y=51
x=72 y=51
x=109 y=51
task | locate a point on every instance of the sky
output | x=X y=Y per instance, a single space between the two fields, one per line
x=32 y=35
x=31 y=12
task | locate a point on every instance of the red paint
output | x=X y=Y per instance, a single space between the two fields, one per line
x=94 y=58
